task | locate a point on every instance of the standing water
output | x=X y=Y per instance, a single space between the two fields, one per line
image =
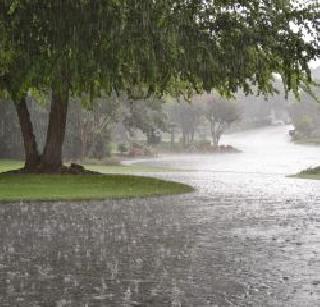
x=249 y=235
x=265 y=150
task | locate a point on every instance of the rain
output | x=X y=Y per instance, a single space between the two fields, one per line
x=162 y=153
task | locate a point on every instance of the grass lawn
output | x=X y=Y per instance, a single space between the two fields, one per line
x=310 y=173
x=311 y=177
x=70 y=187
x=307 y=141
x=135 y=168
x=9 y=165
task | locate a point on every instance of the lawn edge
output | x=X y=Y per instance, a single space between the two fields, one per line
x=183 y=189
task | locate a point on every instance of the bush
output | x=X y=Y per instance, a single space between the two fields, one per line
x=123 y=148
x=311 y=171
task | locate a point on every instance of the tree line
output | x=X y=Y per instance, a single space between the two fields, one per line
x=91 y=132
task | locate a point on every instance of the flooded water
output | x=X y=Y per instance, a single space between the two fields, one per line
x=265 y=150
x=248 y=236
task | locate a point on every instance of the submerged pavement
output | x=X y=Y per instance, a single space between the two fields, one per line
x=248 y=236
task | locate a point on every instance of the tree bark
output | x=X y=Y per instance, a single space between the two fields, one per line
x=51 y=160
x=214 y=134
x=183 y=139
x=32 y=156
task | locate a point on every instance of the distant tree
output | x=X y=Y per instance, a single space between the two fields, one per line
x=186 y=116
x=220 y=115
x=145 y=115
x=96 y=125
x=305 y=115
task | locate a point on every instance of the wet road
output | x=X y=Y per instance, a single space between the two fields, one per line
x=248 y=236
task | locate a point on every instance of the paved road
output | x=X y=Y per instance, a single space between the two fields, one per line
x=249 y=236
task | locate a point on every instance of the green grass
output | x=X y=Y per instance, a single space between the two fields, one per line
x=307 y=141
x=9 y=165
x=310 y=173
x=135 y=168
x=70 y=187
x=311 y=177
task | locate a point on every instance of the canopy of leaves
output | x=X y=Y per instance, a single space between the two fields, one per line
x=145 y=47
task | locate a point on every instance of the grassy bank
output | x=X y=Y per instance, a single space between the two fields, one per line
x=310 y=173
x=69 y=187
x=135 y=168
x=307 y=141
x=9 y=165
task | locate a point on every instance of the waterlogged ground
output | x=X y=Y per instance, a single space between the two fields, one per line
x=249 y=236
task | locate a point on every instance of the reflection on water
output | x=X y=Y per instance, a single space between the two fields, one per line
x=248 y=236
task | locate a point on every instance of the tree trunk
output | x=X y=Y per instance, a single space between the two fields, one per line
x=172 y=140
x=32 y=157
x=183 y=139
x=52 y=155
x=214 y=134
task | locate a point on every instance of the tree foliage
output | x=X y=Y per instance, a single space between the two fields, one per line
x=187 y=117
x=145 y=115
x=143 y=46
x=220 y=114
x=67 y=47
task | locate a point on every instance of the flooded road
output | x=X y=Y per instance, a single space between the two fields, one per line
x=248 y=236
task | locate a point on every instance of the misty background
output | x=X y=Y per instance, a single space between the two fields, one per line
x=119 y=126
